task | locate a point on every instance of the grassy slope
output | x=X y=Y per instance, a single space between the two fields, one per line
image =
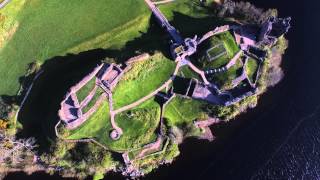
x=186 y=72
x=142 y=79
x=224 y=79
x=93 y=101
x=42 y=35
x=138 y=129
x=138 y=126
x=180 y=111
x=252 y=67
x=230 y=46
x=97 y=124
x=85 y=90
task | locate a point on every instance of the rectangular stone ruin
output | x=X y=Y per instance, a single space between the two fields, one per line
x=220 y=53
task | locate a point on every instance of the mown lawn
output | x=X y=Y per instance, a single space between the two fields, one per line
x=222 y=79
x=45 y=29
x=142 y=79
x=182 y=111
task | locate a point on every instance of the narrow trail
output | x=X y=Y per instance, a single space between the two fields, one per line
x=234 y=60
x=112 y=113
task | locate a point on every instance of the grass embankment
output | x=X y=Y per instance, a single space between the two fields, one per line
x=97 y=125
x=44 y=29
x=181 y=111
x=94 y=99
x=144 y=77
x=86 y=89
x=252 y=68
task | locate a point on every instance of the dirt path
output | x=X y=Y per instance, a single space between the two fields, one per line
x=112 y=115
x=234 y=60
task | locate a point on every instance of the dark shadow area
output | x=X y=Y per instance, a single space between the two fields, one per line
x=190 y=26
x=40 y=111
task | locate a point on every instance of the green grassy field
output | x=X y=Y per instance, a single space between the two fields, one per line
x=222 y=79
x=216 y=51
x=139 y=125
x=181 y=111
x=97 y=125
x=142 y=79
x=252 y=68
x=45 y=29
x=93 y=101
x=85 y=90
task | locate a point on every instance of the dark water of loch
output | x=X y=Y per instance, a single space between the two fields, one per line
x=280 y=139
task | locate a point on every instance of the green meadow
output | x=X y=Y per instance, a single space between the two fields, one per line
x=44 y=29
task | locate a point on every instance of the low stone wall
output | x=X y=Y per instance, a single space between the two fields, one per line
x=86 y=79
x=141 y=57
x=80 y=120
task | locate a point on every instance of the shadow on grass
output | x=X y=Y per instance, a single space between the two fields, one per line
x=40 y=111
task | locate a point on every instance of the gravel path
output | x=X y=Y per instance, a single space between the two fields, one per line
x=234 y=60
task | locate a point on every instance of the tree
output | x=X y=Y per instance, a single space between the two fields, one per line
x=14 y=151
x=5 y=109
